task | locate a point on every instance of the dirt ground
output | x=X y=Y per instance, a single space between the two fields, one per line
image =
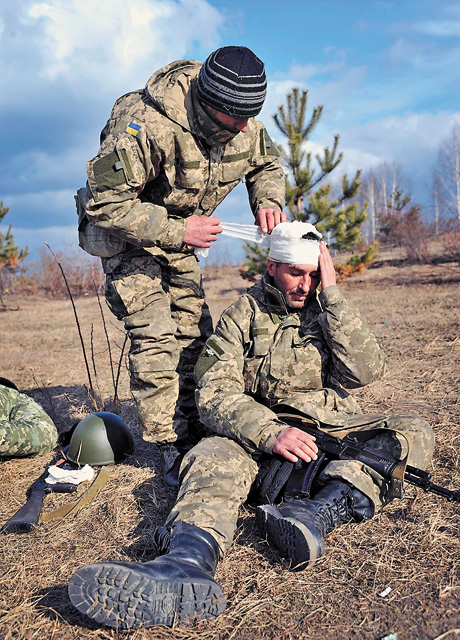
x=413 y=546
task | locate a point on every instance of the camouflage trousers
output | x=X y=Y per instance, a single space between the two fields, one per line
x=161 y=302
x=217 y=474
x=25 y=428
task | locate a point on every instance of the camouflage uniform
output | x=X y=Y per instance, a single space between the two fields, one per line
x=162 y=159
x=25 y=428
x=261 y=354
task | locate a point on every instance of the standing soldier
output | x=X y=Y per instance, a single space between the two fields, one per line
x=169 y=154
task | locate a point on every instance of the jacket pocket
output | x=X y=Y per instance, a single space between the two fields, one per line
x=190 y=175
x=117 y=170
x=234 y=167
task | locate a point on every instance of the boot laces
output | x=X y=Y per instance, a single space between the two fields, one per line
x=337 y=511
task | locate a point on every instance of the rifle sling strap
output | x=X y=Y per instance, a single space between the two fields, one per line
x=75 y=507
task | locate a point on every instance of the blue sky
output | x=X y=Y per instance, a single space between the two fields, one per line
x=385 y=71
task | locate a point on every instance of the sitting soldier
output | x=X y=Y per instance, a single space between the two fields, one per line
x=25 y=428
x=282 y=343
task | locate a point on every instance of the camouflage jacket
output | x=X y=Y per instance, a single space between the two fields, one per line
x=25 y=428
x=262 y=353
x=162 y=159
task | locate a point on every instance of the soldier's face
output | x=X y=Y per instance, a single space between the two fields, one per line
x=235 y=125
x=296 y=282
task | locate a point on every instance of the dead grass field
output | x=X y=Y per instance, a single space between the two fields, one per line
x=413 y=546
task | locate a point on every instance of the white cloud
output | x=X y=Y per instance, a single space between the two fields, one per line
x=403 y=51
x=88 y=36
x=100 y=46
x=442 y=28
x=406 y=138
x=410 y=140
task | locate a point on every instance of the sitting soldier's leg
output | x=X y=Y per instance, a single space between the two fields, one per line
x=298 y=526
x=351 y=491
x=174 y=587
x=178 y=586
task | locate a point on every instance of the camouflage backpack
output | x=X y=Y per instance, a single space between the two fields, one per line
x=91 y=239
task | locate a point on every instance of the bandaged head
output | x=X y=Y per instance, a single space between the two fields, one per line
x=295 y=243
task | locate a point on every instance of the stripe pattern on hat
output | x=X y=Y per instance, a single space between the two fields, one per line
x=233 y=81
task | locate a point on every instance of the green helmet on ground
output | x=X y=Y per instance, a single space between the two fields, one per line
x=99 y=439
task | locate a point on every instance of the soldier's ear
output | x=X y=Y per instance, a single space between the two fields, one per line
x=271 y=267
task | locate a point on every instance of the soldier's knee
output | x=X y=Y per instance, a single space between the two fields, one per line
x=421 y=439
x=220 y=455
x=426 y=438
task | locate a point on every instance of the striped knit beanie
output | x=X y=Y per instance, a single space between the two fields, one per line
x=233 y=81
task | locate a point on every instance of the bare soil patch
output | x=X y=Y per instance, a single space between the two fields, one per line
x=413 y=546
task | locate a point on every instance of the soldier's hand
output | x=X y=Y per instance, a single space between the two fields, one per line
x=293 y=443
x=267 y=219
x=201 y=231
x=326 y=265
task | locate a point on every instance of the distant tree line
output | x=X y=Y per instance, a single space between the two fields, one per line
x=358 y=214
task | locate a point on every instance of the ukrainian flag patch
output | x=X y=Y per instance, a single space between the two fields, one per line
x=133 y=129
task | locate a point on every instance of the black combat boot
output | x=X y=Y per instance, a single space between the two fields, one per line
x=172 y=454
x=297 y=527
x=176 y=587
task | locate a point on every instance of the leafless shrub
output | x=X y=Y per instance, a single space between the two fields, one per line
x=83 y=272
x=450 y=240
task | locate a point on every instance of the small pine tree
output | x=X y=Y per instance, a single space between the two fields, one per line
x=358 y=263
x=334 y=216
x=338 y=216
x=256 y=261
x=10 y=255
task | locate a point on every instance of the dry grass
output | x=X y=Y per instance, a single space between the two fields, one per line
x=413 y=546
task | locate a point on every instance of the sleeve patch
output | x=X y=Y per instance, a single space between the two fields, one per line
x=113 y=170
x=267 y=146
x=108 y=172
x=206 y=360
x=213 y=346
x=133 y=129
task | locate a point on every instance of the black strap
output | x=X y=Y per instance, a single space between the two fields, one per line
x=302 y=477
x=273 y=474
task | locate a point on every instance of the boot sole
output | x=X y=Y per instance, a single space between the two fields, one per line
x=292 y=538
x=118 y=597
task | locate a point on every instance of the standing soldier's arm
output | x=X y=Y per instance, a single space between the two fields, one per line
x=126 y=162
x=266 y=183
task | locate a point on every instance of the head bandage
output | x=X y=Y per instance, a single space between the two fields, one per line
x=295 y=243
